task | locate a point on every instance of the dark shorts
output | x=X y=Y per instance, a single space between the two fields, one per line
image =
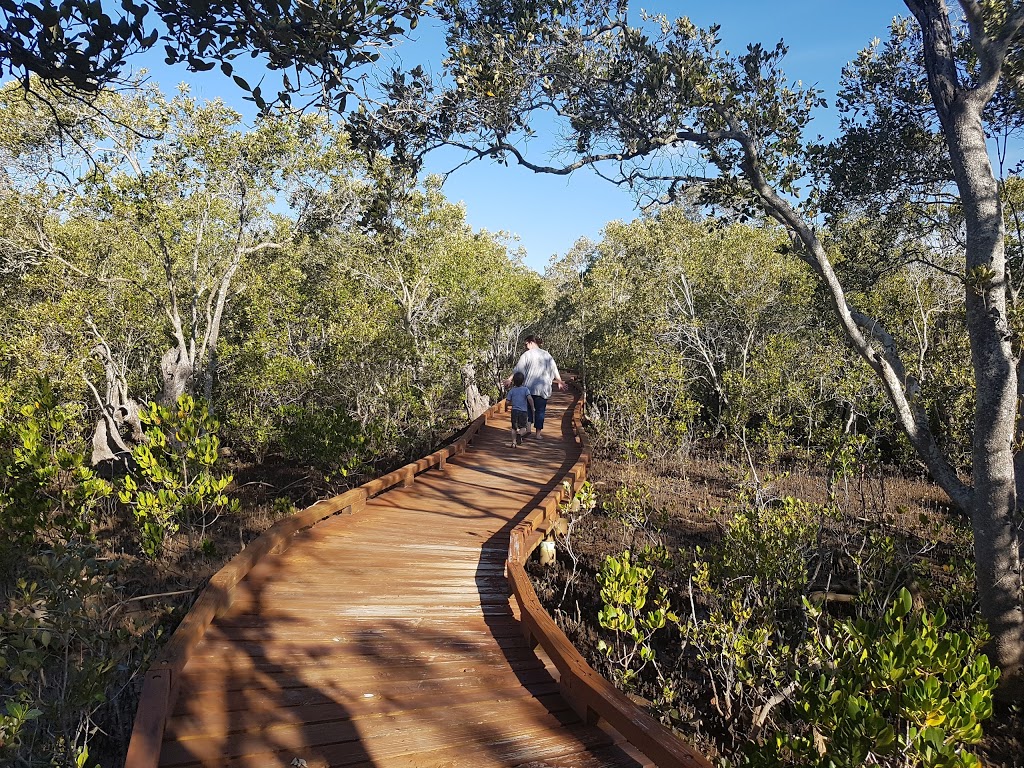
x=519 y=419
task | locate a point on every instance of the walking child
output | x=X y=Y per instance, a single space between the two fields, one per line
x=540 y=372
x=522 y=408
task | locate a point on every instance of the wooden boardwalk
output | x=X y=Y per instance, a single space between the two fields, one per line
x=387 y=638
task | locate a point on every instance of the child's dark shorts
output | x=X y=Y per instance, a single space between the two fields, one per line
x=519 y=419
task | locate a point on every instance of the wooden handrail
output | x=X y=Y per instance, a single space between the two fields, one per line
x=590 y=694
x=160 y=684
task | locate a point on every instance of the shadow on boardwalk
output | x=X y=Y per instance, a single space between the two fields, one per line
x=386 y=638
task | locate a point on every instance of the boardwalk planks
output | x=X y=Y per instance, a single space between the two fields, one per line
x=384 y=637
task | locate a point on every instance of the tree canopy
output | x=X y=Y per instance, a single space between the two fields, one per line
x=86 y=45
x=660 y=108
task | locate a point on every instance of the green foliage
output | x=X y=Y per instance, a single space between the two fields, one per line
x=631 y=610
x=47 y=490
x=60 y=649
x=326 y=315
x=174 y=482
x=750 y=586
x=324 y=436
x=764 y=552
x=630 y=505
x=583 y=501
x=12 y=720
x=845 y=458
x=691 y=330
x=898 y=691
x=351 y=351
x=59 y=645
x=84 y=47
x=645 y=412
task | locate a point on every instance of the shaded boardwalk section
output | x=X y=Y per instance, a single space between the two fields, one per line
x=387 y=638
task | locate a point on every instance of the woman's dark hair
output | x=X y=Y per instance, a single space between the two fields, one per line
x=535 y=339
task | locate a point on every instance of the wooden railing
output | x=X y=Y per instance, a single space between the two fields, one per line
x=159 y=687
x=590 y=694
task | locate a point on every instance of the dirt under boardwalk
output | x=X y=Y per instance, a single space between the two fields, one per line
x=386 y=638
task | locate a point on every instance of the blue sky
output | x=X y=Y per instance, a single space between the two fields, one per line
x=548 y=213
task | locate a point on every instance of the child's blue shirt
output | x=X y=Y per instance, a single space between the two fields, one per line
x=517 y=396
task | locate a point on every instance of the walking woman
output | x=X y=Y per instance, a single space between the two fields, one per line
x=540 y=372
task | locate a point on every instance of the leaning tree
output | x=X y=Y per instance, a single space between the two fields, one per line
x=660 y=108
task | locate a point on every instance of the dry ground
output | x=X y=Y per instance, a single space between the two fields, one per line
x=689 y=505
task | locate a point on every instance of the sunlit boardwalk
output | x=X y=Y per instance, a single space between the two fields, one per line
x=387 y=637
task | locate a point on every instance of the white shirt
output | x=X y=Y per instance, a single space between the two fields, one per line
x=539 y=369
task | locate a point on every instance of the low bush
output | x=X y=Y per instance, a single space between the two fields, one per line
x=48 y=492
x=632 y=610
x=174 y=482
x=61 y=653
x=897 y=692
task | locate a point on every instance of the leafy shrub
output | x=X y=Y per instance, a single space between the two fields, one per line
x=47 y=490
x=631 y=610
x=642 y=408
x=750 y=586
x=174 y=482
x=893 y=692
x=60 y=648
x=17 y=713
x=632 y=505
x=325 y=437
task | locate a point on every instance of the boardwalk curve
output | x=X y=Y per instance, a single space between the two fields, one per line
x=387 y=636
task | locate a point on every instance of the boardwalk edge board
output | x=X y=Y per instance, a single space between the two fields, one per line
x=590 y=694
x=160 y=682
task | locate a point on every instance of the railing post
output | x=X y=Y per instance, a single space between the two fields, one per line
x=574 y=692
x=150 y=719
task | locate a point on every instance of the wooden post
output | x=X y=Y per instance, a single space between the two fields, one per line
x=574 y=692
x=150 y=719
x=547 y=552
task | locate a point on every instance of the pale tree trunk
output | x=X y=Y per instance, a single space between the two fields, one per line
x=476 y=403
x=503 y=348
x=119 y=427
x=693 y=337
x=215 y=315
x=993 y=508
x=194 y=355
x=177 y=371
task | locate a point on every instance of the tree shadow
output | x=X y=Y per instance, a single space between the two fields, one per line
x=316 y=664
x=247 y=699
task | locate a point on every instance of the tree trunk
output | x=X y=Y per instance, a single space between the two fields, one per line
x=177 y=371
x=476 y=403
x=119 y=427
x=993 y=507
x=108 y=447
